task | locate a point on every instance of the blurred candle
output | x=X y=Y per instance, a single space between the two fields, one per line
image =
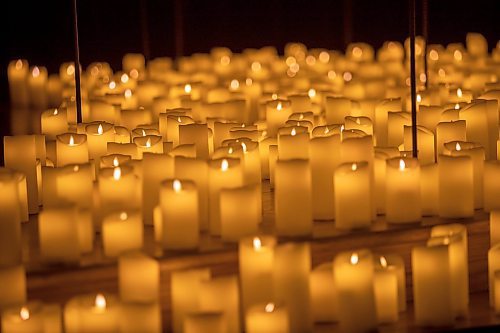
x=235 y=222
x=12 y=285
x=37 y=87
x=197 y=134
x=10 y=221
x=493 y=267
x=122 y=232
x=456 y=187
x=92 y=313
x=17 y=73
x=277 y=113
x=386 y=292
x=138 y=278
x=323 y=294
x=72 y=148
x=293 y=143
x=267 y=318
x=206 y=321
x=53 y=123
x=25 y=318
x=491 y=185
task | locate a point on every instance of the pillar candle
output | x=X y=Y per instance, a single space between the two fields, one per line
x=71 y=148
x=381 y=114
x=491 y=185
x=122 y=135
x=25 y=318
x=292 y=266
x=37 y=87
x=12 y=285
x=53 y=123
x=129 y=149
x=479 y=129
x=122 y=232
x=425 y=142
x=98 y=136
x=432 y=285
x=380 y=168
x=456 y=187
x=293 y=201
x=336 y=109
x=449 y=131
x=277 y=113
x=92 y=313
x=267 y=318
x=353 y=274
x=323 y=294
x=223 y=173
x=197 y=134
x=25 y=163
x=17 y=73
x=74 y=183
x=114 y=160
x=403 y=204
x=172 y=127
x=396 y=121
x=386 y=292
x=360 y=123
x=236 y=222
x=185 y=287
x=10 y=221
x=149 y=144
x=206 y=321
x=429 y=189
x=138 y=278
x=353 y=199
x=179 y=205
x=293 y=143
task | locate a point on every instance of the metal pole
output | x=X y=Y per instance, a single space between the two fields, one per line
x=413 y=81
x=77 y=66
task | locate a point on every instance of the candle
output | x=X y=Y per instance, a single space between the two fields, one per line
x=172 y=127
x=479 y=129
x=122 y=232
x=267 y=318
x=17 y=73
x=336 y=109
x=396 y=121
x=386 y=292
x=140 y=317
x=432 y=293
x=138 y=278
x=449 y=131
x=222 y=294
x=293 y=202
x=25 y=318
x=382 y=110
x=37 y=87
x=98 y=136
x=92 y=313
x=491 y=185
x=148 y=144
x=292 y=266
x=429 y=189
x=222 y=174
x=236 y=222
x=277 y=113
x=197 y=134
x=53 y=123
x=129 y=149
x=353 y=275
x=403 y=203
x=425 y=141
x=12 y=285
x=10 y=221
x=25 y=163
x=456 y=187
x=293 y=143
x=114 y=160
x=323 y=294
x=179 y=205
x=185 y=286
x=201 y=322
x=353 y=202
x=74 y=183
x=71 y=148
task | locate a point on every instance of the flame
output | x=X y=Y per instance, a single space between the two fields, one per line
x=441 y=72
x=123 y=216
x=402 y=164
x=244 y=146
x=274 y=96
x=179 y=120
x=230 y=150
x=293 y=132
x=248 y=81
x=100 y=302
x=301 y=116
x=148 y=143
x=357 y=52
x=177 y=185
x=117 y=173
x=310 y=60
x=347 y=76
x=234 y=84
x=354 y=258
x=187 y=88
x=24 y=313
x=124 y=78
x=224 y=165
x=383 y=262
x=459 y=93
x=269 y=307
x=19 y=64
x=128 y=93
x=354 y=167
x=458 y=147
x=225 y=60
x=358 y=121
x=279 y=107
x=257 y=243
x=311 y=93
x=256 y=66
x=100 y=130
x=112 y=85
x=76 y=168
x=457 y=106
x=134 y=73
x=71 y=140
x=324 y=57
x=143 y=132
x=55 y=112
x=70 y=70
x=419 y=98
x=327 y=130
x=434 y=55
x=35 y=72
x=332 y=75
x=457 y=55
x=116 y=162
x=342 y=128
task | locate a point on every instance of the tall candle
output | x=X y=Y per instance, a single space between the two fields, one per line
x=293 y=143
x=17 y=73
x=449 y=131
x=235 y=222
x=71 y=148
x=386 y=292
x=122 y=232
x=74 y=183
x=37 y=87
x=456 y=187
x=53 y=123
x=98 y=136
x=277 y=113
x=197 y=134
x=138 y=278
x=323 y=294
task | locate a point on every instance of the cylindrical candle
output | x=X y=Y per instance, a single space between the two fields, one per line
x=92 y=314
x=53 y=123
x=267 y=318
x=323 y=294
x=122 y=232
x=17 y=73
x=138 y=278
x=456 y=187
x=235 y=222
x=386 y=292
x=71 y=148
x=25 y=318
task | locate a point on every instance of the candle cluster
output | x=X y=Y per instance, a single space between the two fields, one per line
x=184 y=150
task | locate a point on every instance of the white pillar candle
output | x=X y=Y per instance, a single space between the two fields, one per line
x=17 y=73
x=353 y=274
x=425 y=142
x=381 y=115
x=236 y=222
x=25 y=318
x=71 y=148
x=138 y=278
x=185 y=287
x=10 y=221
x=206 y=321
x=197 y=134
x=491 y=185
x=449 y=131
x=277 y=113
x=323 y=294
x=403 y=204
x=293 y=201
x=98 y=136
x=37 y=87
x=478 y=127
x=53 y=123
x=395 y=127
x=293 y=143
x=353 y=196
x=179 y=205
x=267 y=318
x=386 y=292
x=122 y=232
x=223 y=173
x=336 y=109
x=292 y=266
x=74 y=183
x=493 y=266
x=12 y=285
x=92 y=314
x=149 y=144
x=359 y=123
x=396 y=263
x=456 y=187
x=170 y=129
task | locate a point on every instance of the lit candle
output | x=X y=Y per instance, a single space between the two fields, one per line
x=37 y=87
x=353 y=274
x=425 y=141
x=323 y=294
x=456 y=187
x=98 y=136
x=381 y=118
x=53 y=123
x=277 y=113
x=122 y=232
x=148 y=144
x=25 y=318
x=267 y=318
x=138 y=278
x=293 y=200
x=449 y=131
x=114 y=160
x=479 y=128
x=293 y=143
x=170 y=130
x=92 y=314
x=292 y=266
x=235 y=222
x=17 y=73
x=336 y=109
x=386 y=292
x=71 y=148
x=179 y=205
x=12 y=285
x=10 y=221
x=74 y=183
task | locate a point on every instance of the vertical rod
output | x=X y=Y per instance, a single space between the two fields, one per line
x=146 y=50
x=413 y=81
x=425 y=33
x=77 y=66
x=179 y=27
x=347 y=22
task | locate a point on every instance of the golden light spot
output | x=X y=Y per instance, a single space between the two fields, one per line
x=293 y=132
x=269 y=307
x=324 y=57
x=458 y=147
x=19 y=64
x=234 y=84
x=24 y=313
x=71 y=140
x=354 y=167
x=256 y=66
x=423 y=77
x=112 y=85
x=134 y=73
x=402 y=165
x=332 y=75
x=124 y=78
x=123 y=216
x=100 y=302
x=224 y=165
x=383 y=262
x=35 y=72
x=148 y=143
x=128 y=93
x=290 y=61
x=248 y=81
x=76 y=168
x=116 y=162
x=419 y=98
x=310 y=60
x=117 y=173
x=70 y=70
x=279 y=107
x=357 y=52
x=55 y=113
x=100 y=129
x=177 y=186
x=311 y=93
x=434 y=55
x=187 y=88
x=457 y=55
x=257 y=243
x=347 y=76
x=354 y=258
x=459 y=93
x=441 y=72
x=225 y=60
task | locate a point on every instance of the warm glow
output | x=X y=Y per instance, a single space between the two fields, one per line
x=124 y=78
x=269 y=307
x=179 y=120
x=94 y=71
x=100 y=130
x=71 y=140
x=290 y=61
x=347 y=76
x=76 y=168
x=256 y=66
x=100 y=302
x=234 y=84
x=134 y=73
x=274 y=97
x=224 y=165
x=402 y=165
x=70 y=70
x=419 y=98
x=332 y=75
x=423 y=77
x=293 y=132
x=441 y=72
x=279 y=107
x=230 y=150
x=148 y=143
x=128 y=93
x=310 y=60
x=301 y=116
x=327 y=130
x=244 y=147
x=35 y=72
x=143 y=132
x=55 y=112
x=457 y=106
x=358 y=121
x=225 y=60
x=457 y=55
x=19 y=64
x=187 y=88
x=257 y=243
x=311 y=93
x=357 y=52
x=459 y=93
x=354 y=167
x=383 y=262
x=116 y=162
x=248 y=81
x=24 y=313
x=117 y=173
x=418 y=49
x=177 y=186
x=434 y=55
x=294 y=68
x=112 y=85
x=458 y=147
x=354 y=258
x=341 y=128
x=123 y=216
x=324 y=57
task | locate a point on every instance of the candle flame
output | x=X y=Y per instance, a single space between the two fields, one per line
x=458 y=147
x=383 y=262
x=256 y=66
x=244 y=146
x=327 y=130
x=100 y=302
x=230 y=150
x=70 y=70
x=71 y=140
x=143 y=132
x=177 y=186
x=248 y=81
x=269 y=307
x=124 y=78
x=457 y=55
x=459 y=93
x=19 y=64
x=234 y=84
x=293 y=132
x=55 y=112
x=123 y=216
x=457 y=106
x=117 y=173
x=112 y=85
x=311 y=93
x=354 y=167
x=301 y=116
x=347 y=76
x=116 y=162
x=279 y=107
x=24 y=313
x=100 y=130
x=332 y=75
x=224 y=165
x=76 y=168
x=225 y=60
x=357 y=52
x=179 y=120
x=324 y=57
x=187 y=88
x=134 y=73
x=419 y=98
x=441 y=72
x=35 y=72
x=341 y=128
x=274 y=97
x=354 y=258
x=402 y=164
x=358 y=121
x=257 y=243
x=434 y=55
x=128 y=93
x=148 y=143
